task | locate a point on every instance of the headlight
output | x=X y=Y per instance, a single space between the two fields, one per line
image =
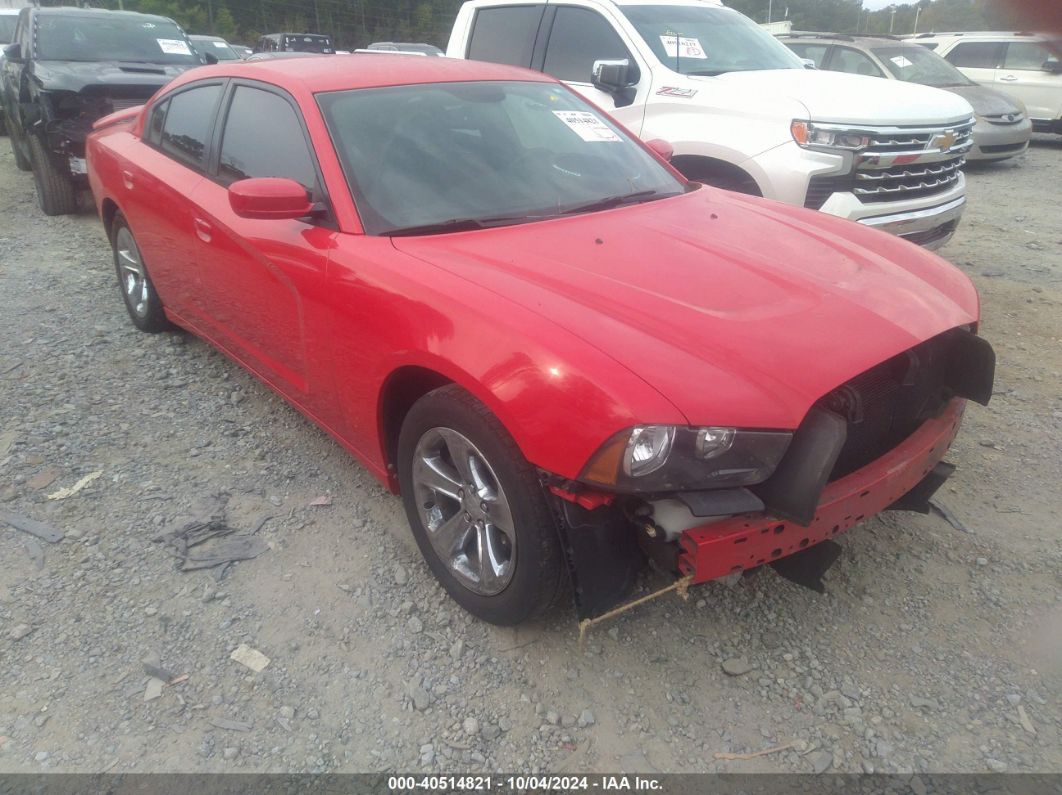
x=658 y=458
x=809 y=136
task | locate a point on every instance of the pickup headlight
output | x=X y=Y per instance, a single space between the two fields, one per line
x=810 y=136
x=656 y=458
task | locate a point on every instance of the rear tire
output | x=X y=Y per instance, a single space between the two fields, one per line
x=503 y=563
x=56 y=193
x=141 y=300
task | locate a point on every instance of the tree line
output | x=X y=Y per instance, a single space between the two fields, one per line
x=356 y=23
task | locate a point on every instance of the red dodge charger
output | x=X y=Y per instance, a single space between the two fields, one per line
x=566 y=358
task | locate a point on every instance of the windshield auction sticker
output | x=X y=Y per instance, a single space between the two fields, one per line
x=586 y=125
x=174 y=47
x=683 y=47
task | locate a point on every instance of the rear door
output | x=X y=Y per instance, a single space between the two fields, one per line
x=978 y=60
x=158 y=176
x=1024 y=76
x=262 y=278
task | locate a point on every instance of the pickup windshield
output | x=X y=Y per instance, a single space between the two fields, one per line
x=450 y=157
x=916 y=64
x=700 y=40
x=111 y=37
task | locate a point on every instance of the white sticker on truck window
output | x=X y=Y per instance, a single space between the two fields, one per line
x=220 y=45
x=900 y=61
x=174 y=46
x=586 y=125
x=683 y=47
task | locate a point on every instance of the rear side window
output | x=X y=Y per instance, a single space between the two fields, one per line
x=1026 y=55
x=246 y=152
x=813 y=52
x=578 y=38
x=976 y=54
x=845 y=59
x=189 y=118
x=505 y=34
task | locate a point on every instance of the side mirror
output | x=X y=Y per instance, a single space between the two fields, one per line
x=270 y=199
x=611 y=76
x=210 y=58
x=808 y=63
x=13 y=52
x=662 y=148
x=1053 y=65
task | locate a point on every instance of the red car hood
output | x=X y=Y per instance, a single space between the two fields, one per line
x=740 y=311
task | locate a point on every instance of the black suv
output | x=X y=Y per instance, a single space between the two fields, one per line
x=68 y=67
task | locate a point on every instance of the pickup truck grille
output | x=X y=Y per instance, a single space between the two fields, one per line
x=900 y=163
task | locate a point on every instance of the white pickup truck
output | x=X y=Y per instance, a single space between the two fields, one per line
x=740 y=110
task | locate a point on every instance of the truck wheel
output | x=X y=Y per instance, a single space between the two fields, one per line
x=56 y=193
x=18 y=146
x=477 y=509
x=717 y=174
x=138 y=291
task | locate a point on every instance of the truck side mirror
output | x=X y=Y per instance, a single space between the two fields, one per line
x=13 y=52
x=612 y=76
x=1053 y=65
x=210 y=58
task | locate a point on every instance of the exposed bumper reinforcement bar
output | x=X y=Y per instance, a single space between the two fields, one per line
x=917 y=224
x=744 y=542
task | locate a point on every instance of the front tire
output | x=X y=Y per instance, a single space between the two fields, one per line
x=141 y=300
x=477 y=509
x=56 y=193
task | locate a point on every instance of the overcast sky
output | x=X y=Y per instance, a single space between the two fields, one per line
x=874 y=5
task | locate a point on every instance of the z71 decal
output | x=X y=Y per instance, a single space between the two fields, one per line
x=674 y=91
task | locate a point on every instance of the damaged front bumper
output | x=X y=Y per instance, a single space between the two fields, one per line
x=745 y=542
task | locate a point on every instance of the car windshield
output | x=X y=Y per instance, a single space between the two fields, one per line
x=452 y=156
x=219 y=48
x=7 y=28
x=111 y=37
x=916 y=64
x=308 y=43
x=701 y=40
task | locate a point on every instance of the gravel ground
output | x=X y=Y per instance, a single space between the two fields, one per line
x=934 y=649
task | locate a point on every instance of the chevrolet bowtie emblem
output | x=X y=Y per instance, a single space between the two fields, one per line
x=942 y=141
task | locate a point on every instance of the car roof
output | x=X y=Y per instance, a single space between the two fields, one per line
x=71 y=11
x=205 y=37
x=978 y=34
x=362 y=70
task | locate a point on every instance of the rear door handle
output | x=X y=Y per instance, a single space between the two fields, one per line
x=127 y=179
x=1008 y=78
x=203 y=230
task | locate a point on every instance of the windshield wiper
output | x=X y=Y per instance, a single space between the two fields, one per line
x=613 y=201
x=458 y=225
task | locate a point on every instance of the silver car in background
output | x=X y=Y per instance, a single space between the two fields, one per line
x=1003 y=125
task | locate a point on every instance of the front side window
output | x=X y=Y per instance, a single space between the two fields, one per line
x=111 y=37
x=845 y=59
x=505 y=34
x=483 y=154
x=263 y=138
x=579 y=37
x=918 y=65
x=706 y=40
x=976 y=55
x=7 y=28
x=189 y=118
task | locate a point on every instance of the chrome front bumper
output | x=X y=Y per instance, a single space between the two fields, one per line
x=931 y=227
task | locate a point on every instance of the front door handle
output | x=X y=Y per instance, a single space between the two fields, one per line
x=1008 y=78
x=127 y=179
x=203 y=230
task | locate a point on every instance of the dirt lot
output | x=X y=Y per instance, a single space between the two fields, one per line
x=935 y=649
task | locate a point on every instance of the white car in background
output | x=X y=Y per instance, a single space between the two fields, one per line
x=1027 y=66
x=8 y=18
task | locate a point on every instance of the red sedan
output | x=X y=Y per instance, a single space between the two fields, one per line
x=564 y=356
